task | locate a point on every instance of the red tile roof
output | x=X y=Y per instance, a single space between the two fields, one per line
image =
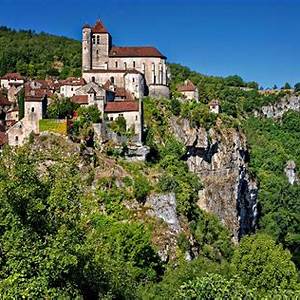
x=12 y=76
x=99 y=28
x=73 y=81
x=121 y=106
x=135 y=52
x=123 y=93
x=188 y=86
x=80 y=99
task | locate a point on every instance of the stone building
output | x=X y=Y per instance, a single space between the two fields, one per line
x=189 y=90
x=214 y=106
x=69 y=86
x=11 y=78
x=35 y=105
x=112 y=102
x=138 y=69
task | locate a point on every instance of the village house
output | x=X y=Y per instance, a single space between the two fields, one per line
x=140 y=70
x=70 y=85
x=214 y=106
x=188 y=90
x=11 y=78
x=35 y=106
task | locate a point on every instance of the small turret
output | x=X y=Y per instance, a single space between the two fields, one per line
x=86 y=47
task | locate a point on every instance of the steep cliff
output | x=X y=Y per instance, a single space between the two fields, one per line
x=276 y=110
x=219 y=156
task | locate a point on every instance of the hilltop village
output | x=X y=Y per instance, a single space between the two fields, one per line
x=114 y=81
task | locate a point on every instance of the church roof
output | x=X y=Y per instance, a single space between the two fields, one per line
x=135 y=52
x=99 y=28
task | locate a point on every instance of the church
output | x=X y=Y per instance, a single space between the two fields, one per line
x=140 y=70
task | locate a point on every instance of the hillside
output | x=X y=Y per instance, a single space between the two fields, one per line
x=210 y=214
x=38 y=55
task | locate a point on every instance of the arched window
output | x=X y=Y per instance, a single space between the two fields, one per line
x=133 y=64
x=116 y=64
x=32 y=109
x=93 y=78
x=97 y=52
x=125 y=65
x=112 y=80
x=16 y=138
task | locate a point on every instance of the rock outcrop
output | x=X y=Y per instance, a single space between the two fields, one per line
x=219 y=157
x=276 y=110
x=290 y=172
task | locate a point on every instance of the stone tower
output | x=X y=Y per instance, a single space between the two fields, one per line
x=101 y=45
x=86 y=48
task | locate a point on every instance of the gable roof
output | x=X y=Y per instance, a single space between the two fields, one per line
x=13 y=76
x=99 y=27
x=135 y=52
x=80 y=99
x=73 y=81
x=121 y=106
x=188 y=86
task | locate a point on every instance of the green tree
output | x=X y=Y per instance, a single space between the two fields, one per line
x=297 y=87
x=61 y=108
x=263 y=264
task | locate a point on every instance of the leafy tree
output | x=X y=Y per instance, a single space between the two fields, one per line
x=119 y=125
x=262 y=264
x=61 y=108
x=234 y=80
x=297 y=87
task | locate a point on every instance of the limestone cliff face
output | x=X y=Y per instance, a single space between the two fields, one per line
x=219 y=157
x=276 y=110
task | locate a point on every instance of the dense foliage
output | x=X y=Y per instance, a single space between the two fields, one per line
x=38 y=55
x=273 y=144
x=73 y=224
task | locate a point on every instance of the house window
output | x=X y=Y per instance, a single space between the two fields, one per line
x=72 y=89
x=133 y=79
x=125 y=65
x=98 y=39
x=111 y=118
x=136 y=117
x=97 y=52
x=94 y=40
x=93 y=78
x=16 y=138
x=133 y=63
x=116 y=64
x=121 y=115
x=112 y=80
x=32 y=109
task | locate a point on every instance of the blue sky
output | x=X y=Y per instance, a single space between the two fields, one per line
x=257 y=39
